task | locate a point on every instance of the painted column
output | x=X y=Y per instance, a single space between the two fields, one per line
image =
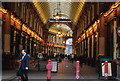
x=92 y=55
x=6 y=26
x=97 y=47
x=102 y=36
x=88 y=47
x=115 y=40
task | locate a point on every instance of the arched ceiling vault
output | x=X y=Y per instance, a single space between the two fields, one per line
x=70 y=10
x=63 y=28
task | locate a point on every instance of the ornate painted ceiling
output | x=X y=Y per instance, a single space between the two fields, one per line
x=71 y=10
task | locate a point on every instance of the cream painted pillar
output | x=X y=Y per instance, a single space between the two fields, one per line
x=30 y=44
x=89 y=47
x=48 y=51
x=6 y=31
x=82 y=47
x=92 y=46
x=115 y=40
x=14 y=40
x=97 y=48
x=101 y=46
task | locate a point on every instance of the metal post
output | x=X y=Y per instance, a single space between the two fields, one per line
x=106 y=70
x=49 y=67
x=77 y=70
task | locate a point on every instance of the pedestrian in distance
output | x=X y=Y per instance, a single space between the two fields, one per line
x=72 y=58
x=40 y=58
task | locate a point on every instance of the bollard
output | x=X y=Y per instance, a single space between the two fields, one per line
x=106 y=70
x=49 y=67
x=77 y=70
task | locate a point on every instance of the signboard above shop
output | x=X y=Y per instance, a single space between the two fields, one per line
x=118 y=31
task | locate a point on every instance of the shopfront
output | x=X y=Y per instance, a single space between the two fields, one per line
x=17 y=36
x=112 y=20
x=118 y=48
x=87 y=44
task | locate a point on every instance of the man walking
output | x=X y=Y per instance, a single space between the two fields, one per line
x=24 y=65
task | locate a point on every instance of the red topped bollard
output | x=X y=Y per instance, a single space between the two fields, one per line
x=77 y=70
x=49 y=68
x=106 y=70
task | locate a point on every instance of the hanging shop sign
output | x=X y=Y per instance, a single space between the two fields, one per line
x=118 y=31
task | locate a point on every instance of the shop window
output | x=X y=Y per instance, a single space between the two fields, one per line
x=41 y=32
x=34 y=24
x=21 y=11
x=88 y=17
x=28 y=17
x=93 y=12
x=96 y=9
x=85 y=21
x=18 y=8
x=31 y=20
x=39 y=28
x=24 y=12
